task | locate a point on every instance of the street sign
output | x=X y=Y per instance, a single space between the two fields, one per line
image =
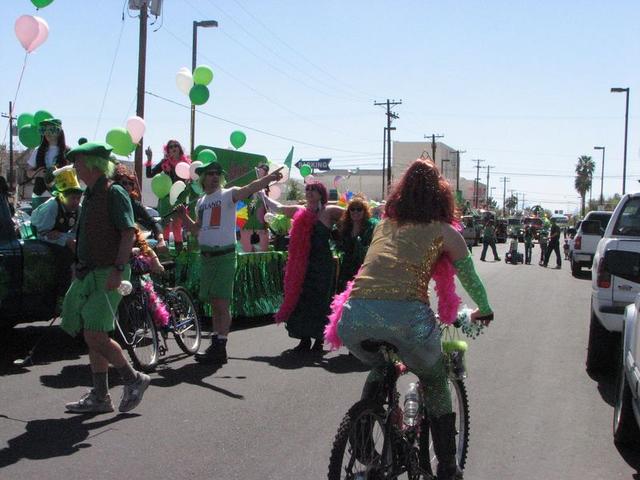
x=320 y=164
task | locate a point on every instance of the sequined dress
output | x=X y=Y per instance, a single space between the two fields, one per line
x=310 y=315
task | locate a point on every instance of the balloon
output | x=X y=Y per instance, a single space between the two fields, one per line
x=192 y=169
x=161 y=185
x=136 y=128
x=41 y=3
x=308 y=178
x=39 y=116
x=336 y=180
x=175 y=190
x=184 y=80
x=183 y=170
x=199 y=94
x=202 y=75
x=24 y=119
x=197 y=188
x=29 y=136
x=274 y=192
x=27 y=29
x=305 y=170
x=207 y=156
x=43 y=34
x=237 y=139
x=120 y=140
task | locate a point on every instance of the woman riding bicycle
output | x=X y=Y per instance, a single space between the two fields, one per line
x=389 y=299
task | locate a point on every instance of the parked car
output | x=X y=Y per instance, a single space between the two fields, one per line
x=626 y=414
x=615 y=284
x=469 y=231
x=583 y=246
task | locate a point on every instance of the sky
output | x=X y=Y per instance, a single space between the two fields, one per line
x=523 y=85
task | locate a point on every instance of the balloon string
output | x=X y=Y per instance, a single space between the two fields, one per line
x=106 y=91
x=15 y=97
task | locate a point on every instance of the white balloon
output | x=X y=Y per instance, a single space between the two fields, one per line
x=176 y=189
x=183 y=170
x=43 y=33
x=274 y=192
x=268 y=217
x=192 y=169
x=136 y=128
x=184 y=81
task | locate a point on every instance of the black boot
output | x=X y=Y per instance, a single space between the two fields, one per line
x=216 y=354
x=443 y=430
x=303 y=347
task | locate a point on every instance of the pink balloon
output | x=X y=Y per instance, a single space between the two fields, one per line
x=183 y=170
x=136 y=128
x=274 y=192
x=27 y=29
x=43 y=34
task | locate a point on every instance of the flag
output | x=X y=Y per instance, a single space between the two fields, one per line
x=289 y=159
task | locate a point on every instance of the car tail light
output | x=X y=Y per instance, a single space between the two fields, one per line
x=577 y=243
x=604 y=277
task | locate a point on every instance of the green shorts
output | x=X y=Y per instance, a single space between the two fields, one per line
x=86 y=304
x=217 y=274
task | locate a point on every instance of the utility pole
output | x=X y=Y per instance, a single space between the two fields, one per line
x=511 y=195
x=10 y=173
x=504 y=181
x=523 y=202
x=488 y=167
x=390 y=116
x=142 y=65
x=433 y=137
x=476 y=190
x=458 y=152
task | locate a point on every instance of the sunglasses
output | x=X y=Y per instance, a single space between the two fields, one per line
x=212 y=172
x=310 y=188
x=356 y=209
x=50 y=131
x=171 y=147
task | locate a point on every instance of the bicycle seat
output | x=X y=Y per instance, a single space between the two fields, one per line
x=371 y=345
x=169 y=265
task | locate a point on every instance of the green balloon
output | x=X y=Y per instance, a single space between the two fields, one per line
x=120 y=140
x=161 y=185
x=305 y=170
x=41 y=3
x=25 y=119
x=207 y=156
x=41 y=115
x=29 y=136
x=199 y=94
x=202 y=75
x=237 y=139
x=197 y=188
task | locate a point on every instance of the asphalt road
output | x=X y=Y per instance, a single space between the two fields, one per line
x=535 y=413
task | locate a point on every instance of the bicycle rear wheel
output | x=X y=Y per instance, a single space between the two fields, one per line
x=137 y=332
x=358 y=445
x=186 y=324
x=460 y=404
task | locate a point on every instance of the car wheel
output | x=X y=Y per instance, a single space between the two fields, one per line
x=625 y=427
x=602 y=349
x=575 y=268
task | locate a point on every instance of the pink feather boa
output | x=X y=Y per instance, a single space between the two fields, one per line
x=445 y=287
x=297 y=261
x=159 y=311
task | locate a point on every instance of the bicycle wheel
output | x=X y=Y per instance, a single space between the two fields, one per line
x=137 y=333
x=186 y=324
x=358 y=445
x=460 y=404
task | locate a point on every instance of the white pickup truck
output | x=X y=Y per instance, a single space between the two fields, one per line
x=614 y=285
x=583 y=245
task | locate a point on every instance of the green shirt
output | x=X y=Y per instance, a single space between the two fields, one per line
x=120 y=214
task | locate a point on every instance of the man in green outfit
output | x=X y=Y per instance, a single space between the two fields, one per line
x=104 y=242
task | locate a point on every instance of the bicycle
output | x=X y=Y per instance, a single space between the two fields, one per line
x=137 y=330
x=375 y=441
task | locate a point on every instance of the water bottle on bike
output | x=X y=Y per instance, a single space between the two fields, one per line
x=411 y=405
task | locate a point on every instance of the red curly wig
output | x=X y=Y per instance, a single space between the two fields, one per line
x=422 y=196
x=121 y=173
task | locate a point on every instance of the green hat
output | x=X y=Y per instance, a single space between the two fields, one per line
x=66 y=180
x=50 y=122
x=215 y=166
x=94 y=149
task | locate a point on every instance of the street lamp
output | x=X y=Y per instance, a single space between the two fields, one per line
x=194 y=50
x=601 y=175
x=626 y=126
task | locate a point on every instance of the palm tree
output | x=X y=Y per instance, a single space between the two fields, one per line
x=511 y=203
x=584 y=175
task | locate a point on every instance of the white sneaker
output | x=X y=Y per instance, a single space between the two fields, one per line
x=90 y=403
x=132 y=393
